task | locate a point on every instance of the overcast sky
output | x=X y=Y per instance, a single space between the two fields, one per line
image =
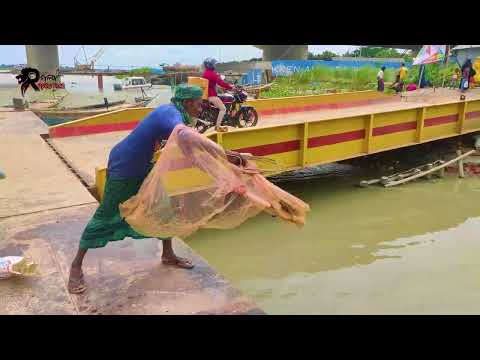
x=153 y=55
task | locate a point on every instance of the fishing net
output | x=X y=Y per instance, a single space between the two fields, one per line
x=193 y=186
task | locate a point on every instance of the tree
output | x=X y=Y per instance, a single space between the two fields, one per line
x=326 y=55
x=374 y=52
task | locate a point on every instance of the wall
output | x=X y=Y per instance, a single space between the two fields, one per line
x=253 y=70
x=244 y=67
x=252 y=77
x=287 y=67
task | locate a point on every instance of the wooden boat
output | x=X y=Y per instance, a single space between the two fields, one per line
x=58 y=116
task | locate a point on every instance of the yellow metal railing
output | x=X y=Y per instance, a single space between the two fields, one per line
x=127 y=118
x=301 y=144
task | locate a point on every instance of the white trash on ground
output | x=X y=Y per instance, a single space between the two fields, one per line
x=16 y=266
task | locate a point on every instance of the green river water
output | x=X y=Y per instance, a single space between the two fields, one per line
x=411 y=249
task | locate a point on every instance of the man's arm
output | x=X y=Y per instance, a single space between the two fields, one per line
x=188 y=136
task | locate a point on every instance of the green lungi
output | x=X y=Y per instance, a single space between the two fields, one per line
x=107 y=224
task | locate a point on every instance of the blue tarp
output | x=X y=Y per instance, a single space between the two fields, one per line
x=288 y=67
x=252 y=77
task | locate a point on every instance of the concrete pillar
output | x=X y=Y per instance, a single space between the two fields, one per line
x=100 y=82
x=43 y=57
x=284 y=52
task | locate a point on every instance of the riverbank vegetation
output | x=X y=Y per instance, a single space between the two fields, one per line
x=436 y=74
x=323 y=79
x=143 y=71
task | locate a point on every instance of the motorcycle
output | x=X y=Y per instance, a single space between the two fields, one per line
x=237 y=115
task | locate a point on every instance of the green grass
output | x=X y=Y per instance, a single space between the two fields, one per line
x=435 y=73
x=322 y=79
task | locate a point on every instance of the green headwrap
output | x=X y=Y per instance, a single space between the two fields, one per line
x=185 y=92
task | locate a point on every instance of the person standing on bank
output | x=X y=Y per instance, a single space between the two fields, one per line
x=402 y=75
x=454 y=78
x=399 y=83
x=380 y=79
x=129 y=163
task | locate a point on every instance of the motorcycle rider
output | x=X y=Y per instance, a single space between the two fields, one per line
x=214 y=79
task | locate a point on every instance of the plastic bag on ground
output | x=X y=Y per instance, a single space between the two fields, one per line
x=193 y=186
x=16 y=265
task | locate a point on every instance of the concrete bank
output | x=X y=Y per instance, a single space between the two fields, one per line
x=43 y=209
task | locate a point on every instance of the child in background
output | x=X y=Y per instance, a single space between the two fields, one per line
x=454 y=79
x=397 y=85
x=402 y=76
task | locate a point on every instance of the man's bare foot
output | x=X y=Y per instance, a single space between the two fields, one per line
x=76 y=283
x=177 y=261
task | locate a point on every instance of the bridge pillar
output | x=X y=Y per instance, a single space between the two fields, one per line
x=43 y=57
x=284 y=52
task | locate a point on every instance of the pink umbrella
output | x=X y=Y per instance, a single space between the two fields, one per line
x=430 y=54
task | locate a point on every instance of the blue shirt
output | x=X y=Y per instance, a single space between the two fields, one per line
x=131 y=158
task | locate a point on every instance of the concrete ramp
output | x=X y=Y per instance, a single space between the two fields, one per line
x=85 y=153
x=36 y=178
x=125 y=277
x=44 y=208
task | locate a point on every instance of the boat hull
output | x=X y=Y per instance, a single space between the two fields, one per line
x=52 y=117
